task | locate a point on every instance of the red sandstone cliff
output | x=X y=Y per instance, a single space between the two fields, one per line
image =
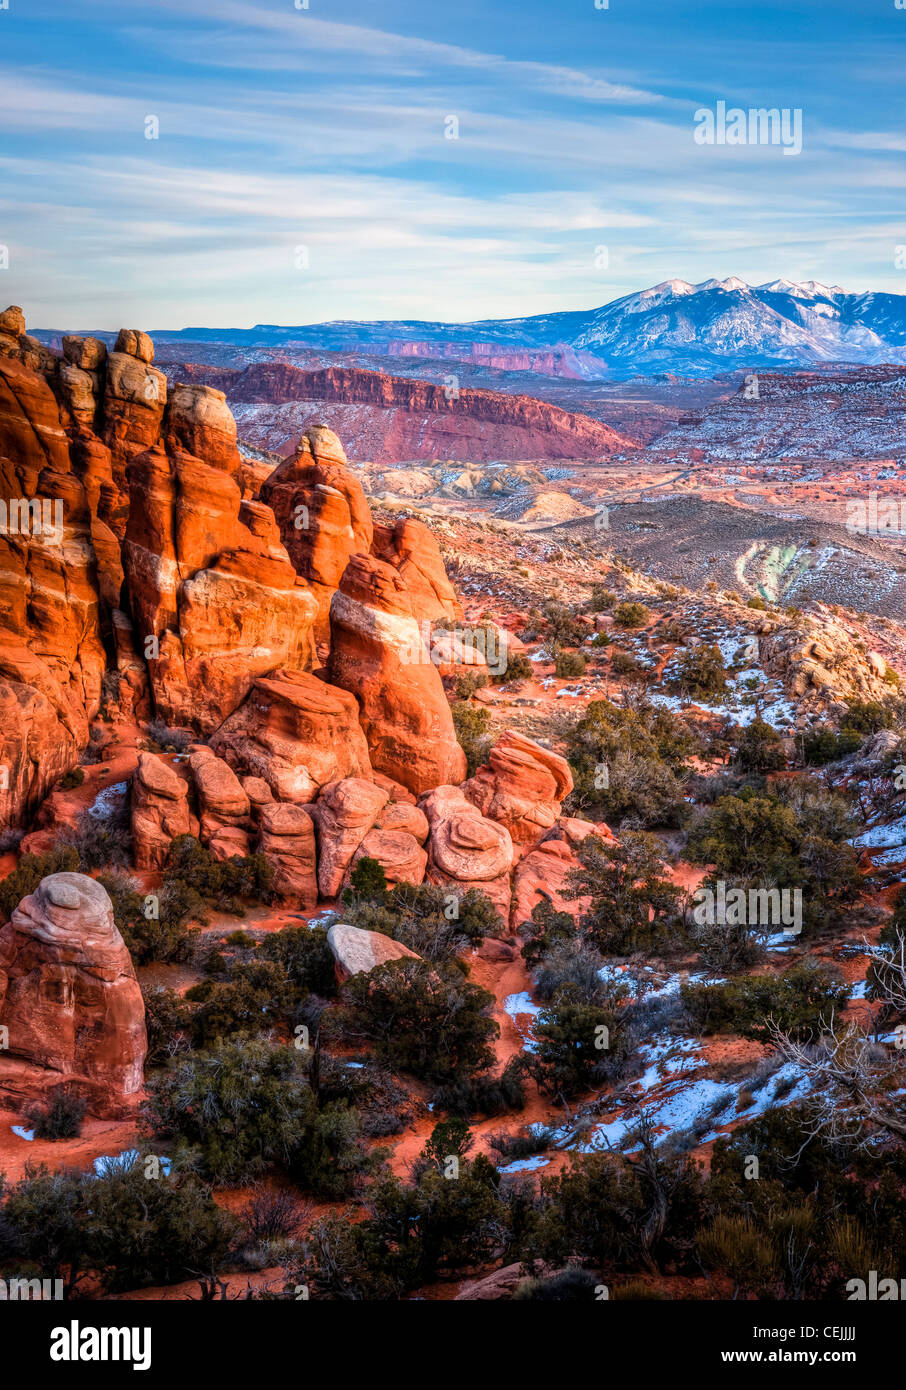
x=386 y=418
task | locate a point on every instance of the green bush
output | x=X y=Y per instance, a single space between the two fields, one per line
x=760 y=748
x=59 y=1117
x=800 y=1002
x=472 y=725
x=701 y=673
x=424 y=1019
x=600 y=599
x=631 y=614
x=568 y=665
x=238 y=1108
x=73 y=778
x=192 y=869
x=633 y=906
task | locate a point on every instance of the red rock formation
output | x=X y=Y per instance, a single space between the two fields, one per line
x=210 y=581
x=465 y=849
x=521 y=786
x=543 y=874
x=376 y=652
x=345 y=811
x=357 y=951
x=322 y=515
x=386 y=418
x=297 y=733
x=400 y=815
x=160 y=811
x=223 y=804
x=414 y=553
x=398 y=853
x=287 y=838
x=51 y=653
x=69 y=998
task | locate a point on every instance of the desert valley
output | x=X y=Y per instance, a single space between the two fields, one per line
x=454 y=834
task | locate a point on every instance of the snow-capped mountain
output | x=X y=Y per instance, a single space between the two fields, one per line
x=676 y=326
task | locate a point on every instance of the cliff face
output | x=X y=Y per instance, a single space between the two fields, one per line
x=385 y=418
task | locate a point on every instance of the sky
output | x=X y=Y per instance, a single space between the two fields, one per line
x=224 y=163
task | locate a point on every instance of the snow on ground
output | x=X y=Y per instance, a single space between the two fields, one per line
x=520 y=1005
x=107 y=802
x=525 y=1165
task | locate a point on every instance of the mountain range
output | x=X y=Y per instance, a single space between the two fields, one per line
x=675 y=327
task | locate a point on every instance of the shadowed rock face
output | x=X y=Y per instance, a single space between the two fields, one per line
x=376 y=652
x=69 y=998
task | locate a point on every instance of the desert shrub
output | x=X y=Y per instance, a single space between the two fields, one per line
x=561 y=623
x=610 y=1210
x=131 y=1231
x=568 y=665
x=600 y=599
x=413 y=1234
x=484 y=1095
x=725 y=947
x=59 y=1117
x=825 y=745
x=430 y=919
x=192 y=868
x=868 y=716
x=168 y=1020
x=628 y=614
x=760 y=748
x=101 y=841
x=73 y=778
x=757 y=602
x=272 y=1214
x=572 y=1285
x=170 y=740
x=29 y=872
x=700 y=673
x=759 y=841
x=535 y=1139
x=305 y=957
x=734 y=1245
x=255 y=996
x=547 y=929
x=424 y=1019
x=625 y=664
x=797 y=1002
x=518 y=668
x=570 y=961
x=577 y=1042
x=466 y=683
x=237 y=1108
x=633 y=906
x=367 y=882
x=152 y=926
x=472 y=725
x=625 y=763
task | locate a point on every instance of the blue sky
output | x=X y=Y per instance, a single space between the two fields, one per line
x=324 y=128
